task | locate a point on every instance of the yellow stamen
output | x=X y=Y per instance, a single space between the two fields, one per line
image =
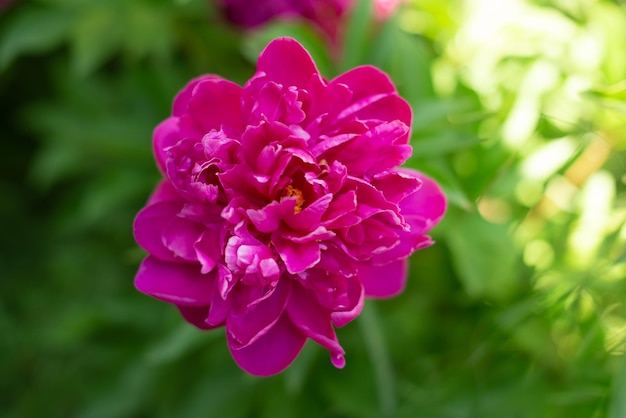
x=291 y=191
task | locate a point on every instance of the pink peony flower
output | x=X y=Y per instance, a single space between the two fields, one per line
x=326 y=15
x=283 y=205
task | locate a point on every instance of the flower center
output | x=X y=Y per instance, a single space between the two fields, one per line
x=291 y=191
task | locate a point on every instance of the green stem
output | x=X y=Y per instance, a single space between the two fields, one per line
x=377 y=350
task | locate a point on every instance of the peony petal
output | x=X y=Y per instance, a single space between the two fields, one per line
x=180 y=236
x=297 y=256
x=216 y=104
x=149 y=225
x=314 y=321
x=164 y=191
x=246 y=324
x=385 y=146
x=165 y=135
x=269 y=218
x=429 y=202
x=384 y=281
x=310 y=217
x=181 y=284
x=356 y=298
x=365 y=81
x=208 y=250
x=181 y=102
x=272 y=352
x=286 y=62
x=397 y=185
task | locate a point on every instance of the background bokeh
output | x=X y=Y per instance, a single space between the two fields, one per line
x=517 y=311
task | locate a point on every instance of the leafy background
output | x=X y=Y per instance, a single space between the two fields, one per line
x=517 y=311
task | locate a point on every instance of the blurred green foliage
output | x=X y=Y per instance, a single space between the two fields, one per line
x=517 y=311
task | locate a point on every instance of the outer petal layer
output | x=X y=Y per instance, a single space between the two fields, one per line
x=180 y=284
x=384 y=281
x=272 y=352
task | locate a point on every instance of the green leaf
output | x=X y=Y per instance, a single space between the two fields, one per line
x=617 y=406
x=410 y=68
x=355 y=44
x=32 y=30
x=441 y=143
x=484 y=257
x=96 y=36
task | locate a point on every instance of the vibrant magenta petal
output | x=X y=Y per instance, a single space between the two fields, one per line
x=365 y=82
x=208 y=249
x=428 y=203
x=181 y=284
x=180 y=237
x=397 y=185
x=181 y=102
x=286 y=62
x=165 y=135
x=355 y=297
x=384 y=281
x=272 y=352
x=149 y=225
x=215 y=104
x=385 y=146
x=297 y=256
x=163 y=191
x=251 y=323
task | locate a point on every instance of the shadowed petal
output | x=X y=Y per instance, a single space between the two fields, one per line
x=165 y=135
x=272 y=352
x=149 y=225
x=355 y=298
x=196 y=316
x=297 y=256
x=314 y=321
x=181 y=284
x=163 y=191
x=180 y=235
x=246 y=325
x=384 y=281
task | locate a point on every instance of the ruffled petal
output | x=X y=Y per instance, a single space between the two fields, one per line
x=181 y=284
x=384 y=281
x=272 y=352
